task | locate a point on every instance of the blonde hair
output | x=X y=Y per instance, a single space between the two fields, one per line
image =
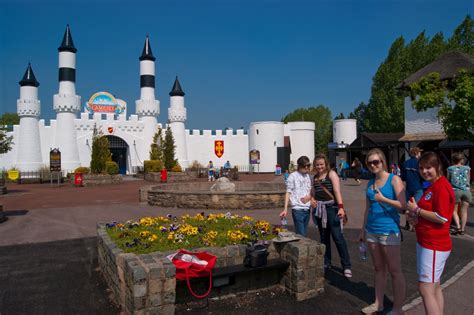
x=322 y=156
x=381 y=156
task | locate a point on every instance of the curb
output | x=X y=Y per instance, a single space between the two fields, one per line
x=446 y=284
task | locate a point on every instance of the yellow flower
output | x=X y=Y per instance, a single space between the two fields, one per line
x=153 y=238
x=171 y=236
x=247 y=218
x=144 y=234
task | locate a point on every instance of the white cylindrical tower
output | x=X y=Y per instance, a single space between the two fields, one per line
x=29 y=110
x=344 y=131
x=67 y=104
x=147 y=107
x=302 y=139
x=266 y=137
x=177 y=117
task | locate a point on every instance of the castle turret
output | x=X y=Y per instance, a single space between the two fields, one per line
x=29 y=110
x=147 y=107
x=67 y=104
x=177 y=117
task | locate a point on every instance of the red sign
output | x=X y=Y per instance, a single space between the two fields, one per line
x=110 y=129
x=219 y=148
x=101 y=108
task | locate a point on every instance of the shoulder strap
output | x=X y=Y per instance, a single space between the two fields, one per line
x=325 y=189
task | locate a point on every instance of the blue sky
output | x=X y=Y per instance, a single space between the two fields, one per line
x=237 y=61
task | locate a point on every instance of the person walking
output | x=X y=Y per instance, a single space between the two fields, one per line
x=459 y=177
x=411 y=176
x=329 y=213
x=381 y=230
x=356 y=166
x=432 y=216
x=298 y=189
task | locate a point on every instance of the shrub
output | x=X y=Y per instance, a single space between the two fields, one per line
x=195 y=166
x=111 y=167
x=151 y=166
x=82 y=170
x=177 y=168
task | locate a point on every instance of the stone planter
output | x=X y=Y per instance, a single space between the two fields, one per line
x=146 y=284
x=248 y=195
x=99 y=179
x=173 y=177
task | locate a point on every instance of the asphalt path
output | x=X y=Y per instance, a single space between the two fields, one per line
x=48 y=256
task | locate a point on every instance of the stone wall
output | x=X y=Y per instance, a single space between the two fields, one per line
x=96 y=180
x=146 y=284
x=173 y=177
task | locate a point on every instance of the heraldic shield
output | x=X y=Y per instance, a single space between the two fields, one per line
x=219 y=148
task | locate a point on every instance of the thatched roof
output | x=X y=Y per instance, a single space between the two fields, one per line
x=446 y=65
x=427 y=136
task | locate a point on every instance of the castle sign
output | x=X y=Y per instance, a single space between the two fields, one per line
x=105 y=103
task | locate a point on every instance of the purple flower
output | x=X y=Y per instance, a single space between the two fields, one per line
x=164 y=230
x=169 y=216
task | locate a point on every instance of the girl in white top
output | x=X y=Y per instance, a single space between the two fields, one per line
x=298 y=188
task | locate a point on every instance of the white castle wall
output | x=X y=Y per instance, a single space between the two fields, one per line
x=266 y=136
x=200 y=147
x=344 y=131
x=301 y=138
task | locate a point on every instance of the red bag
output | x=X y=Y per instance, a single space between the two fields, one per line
x=189 y=269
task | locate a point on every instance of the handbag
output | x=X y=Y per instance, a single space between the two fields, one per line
x=345 y=219
x=194 y=265
x=255 y=255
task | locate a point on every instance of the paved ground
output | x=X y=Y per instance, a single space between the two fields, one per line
x=48 y=255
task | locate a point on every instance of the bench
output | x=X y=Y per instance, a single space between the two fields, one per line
x=233 y=279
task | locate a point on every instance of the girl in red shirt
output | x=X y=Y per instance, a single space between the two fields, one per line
x=432 y=216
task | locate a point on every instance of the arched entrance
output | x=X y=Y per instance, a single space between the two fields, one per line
x=118 y=147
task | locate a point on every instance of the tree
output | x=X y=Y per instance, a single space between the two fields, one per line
x=463 y=37
x=322 y=117
x=156 y=147
x=169 y=150
x=359 y=115
x=340 y=116
x=5 y=142
x=100 y=152
x=454 y=99
x=9 y=119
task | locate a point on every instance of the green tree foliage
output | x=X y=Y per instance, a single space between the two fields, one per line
x=169 y=150
x=340 y=116
x=322 y=117
x=9 y=119
x=359 y=115
x=455 y=102
x=156 y=147
x=5 y=142
x=100 y=152
x=385 y=109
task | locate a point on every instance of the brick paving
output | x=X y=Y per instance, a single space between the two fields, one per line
x=50 y=239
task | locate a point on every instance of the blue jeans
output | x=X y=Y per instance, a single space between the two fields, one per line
x=333 y=227
x=301 y=220
x=415 y=194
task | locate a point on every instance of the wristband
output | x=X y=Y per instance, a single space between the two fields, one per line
x=417 y=211
x=340 y=206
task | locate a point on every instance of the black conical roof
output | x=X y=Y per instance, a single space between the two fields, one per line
x=147 y=54
x=67 y=43
x=29 y=78
x=176 y=91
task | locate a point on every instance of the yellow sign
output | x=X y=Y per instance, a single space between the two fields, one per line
x=13 y=174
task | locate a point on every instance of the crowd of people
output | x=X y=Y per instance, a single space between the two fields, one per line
x=428 y=199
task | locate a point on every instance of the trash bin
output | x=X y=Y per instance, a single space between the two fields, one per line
x=78 y=179
x=164 y=175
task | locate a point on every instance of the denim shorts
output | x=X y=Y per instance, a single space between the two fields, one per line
x=390 y=239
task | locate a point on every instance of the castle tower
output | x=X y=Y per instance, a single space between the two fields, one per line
x=29 y=110
x=147 y=107
x=66 y=104
x=177 y=117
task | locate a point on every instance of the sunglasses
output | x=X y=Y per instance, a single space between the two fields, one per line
x=373 y=162
x=307 y=165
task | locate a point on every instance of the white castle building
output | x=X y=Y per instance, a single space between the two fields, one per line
x=71 y=132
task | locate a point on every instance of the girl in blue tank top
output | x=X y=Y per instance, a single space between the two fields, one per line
x=382 y=218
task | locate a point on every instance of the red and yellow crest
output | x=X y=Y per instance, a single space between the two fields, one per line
x=110 y=129
x=219 y=148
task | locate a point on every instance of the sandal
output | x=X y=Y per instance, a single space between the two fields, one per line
x=461 y=232
x=455 y=231
x=347 y=273
x=371 y=309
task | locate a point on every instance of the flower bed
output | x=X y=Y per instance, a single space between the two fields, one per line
x=132 y=258
x=169 y=233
